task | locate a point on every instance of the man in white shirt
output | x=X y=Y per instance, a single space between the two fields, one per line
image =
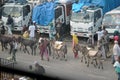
x=116 y=51
x=32 y=31
x=99 y=33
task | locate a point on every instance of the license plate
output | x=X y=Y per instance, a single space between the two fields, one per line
x=80 y=34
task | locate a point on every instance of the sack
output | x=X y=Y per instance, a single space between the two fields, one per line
x=26 y=34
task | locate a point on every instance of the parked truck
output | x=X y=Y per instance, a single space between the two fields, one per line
x=2 y=2
x=51 y=12
x=111 y=21
x=20 y=12
x=87 y=15
x=86 y=22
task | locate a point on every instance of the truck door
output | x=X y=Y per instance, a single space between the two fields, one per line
x=59 y=14
x=26 y=15
x=97 y=19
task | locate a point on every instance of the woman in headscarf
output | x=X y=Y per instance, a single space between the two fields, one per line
x=116 y=34
x=74 y=44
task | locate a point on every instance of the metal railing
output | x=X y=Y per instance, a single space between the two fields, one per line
x=8 y=72
x=8 y=64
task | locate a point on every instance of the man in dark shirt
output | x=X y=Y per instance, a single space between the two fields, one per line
x=10 y=24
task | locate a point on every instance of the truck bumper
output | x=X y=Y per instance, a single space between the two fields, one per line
x=81 y=34
x=17 y=28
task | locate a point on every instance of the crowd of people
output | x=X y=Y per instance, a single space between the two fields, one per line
x=102 y=41
x=55 y=34
x=116 y=52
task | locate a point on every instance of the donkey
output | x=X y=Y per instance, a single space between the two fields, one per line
x=59 y=50
x=5 y=39
x=30 y=43
x=93 y=57
x=83 y=50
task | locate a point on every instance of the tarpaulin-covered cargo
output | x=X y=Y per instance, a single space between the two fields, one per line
x=43 y=14
x=17 y=1
x=107 y=5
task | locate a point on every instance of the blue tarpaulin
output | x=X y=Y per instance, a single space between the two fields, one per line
x=43 y=14
x=84 y=1
x=105 y=4
x=18 y=1
x=111 y=4
x=77 y=7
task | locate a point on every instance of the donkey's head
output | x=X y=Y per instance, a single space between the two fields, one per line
x=19 y=39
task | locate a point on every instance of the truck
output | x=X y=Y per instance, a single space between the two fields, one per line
x=34 y=2
x=111 y=21
x=2 y=2
x=20 y=12
x=49 y=12
x=86 y=22
x=86 y=16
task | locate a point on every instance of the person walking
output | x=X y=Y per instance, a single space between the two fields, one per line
x=32 y=31
x=14 y=50
x=103 y=30
x=99 y=33
x=90 y=41
x=117 y=67
x=10 y=24
x=43 y=48
x=116 y=52
x=25 y=28
x=107 y=40
x=58 y=29
x=74 y=44
x=101 y=44
x=117 y=35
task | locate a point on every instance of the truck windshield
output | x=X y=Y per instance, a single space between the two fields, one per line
x=82 y=17
x=13 y=11
x=111 y=19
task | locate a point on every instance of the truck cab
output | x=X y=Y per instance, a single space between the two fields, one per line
x=21 y=14
x=86 y=21
x=34 y=2
x=61 y=12
x=111 y=21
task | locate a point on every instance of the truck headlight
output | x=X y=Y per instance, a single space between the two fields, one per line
x=19 y=23
x=90 y=28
